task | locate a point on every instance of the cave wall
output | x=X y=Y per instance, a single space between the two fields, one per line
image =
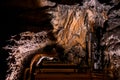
x=22 y=15
x=18 y=16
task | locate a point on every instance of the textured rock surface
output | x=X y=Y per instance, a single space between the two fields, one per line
x=68 y=19
x=111 y=37
x=22 y=47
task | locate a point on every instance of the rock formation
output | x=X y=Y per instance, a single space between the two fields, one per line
x=68 y=24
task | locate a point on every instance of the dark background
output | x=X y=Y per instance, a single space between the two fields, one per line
x=17 y=16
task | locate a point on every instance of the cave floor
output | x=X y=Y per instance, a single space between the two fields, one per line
x=72 y=76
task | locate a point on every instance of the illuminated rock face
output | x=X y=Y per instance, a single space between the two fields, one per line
x=24 y=46
x=111 y=38
x=71 y=23
x=70 y=29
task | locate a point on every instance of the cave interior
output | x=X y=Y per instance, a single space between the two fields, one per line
x=18 y=16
